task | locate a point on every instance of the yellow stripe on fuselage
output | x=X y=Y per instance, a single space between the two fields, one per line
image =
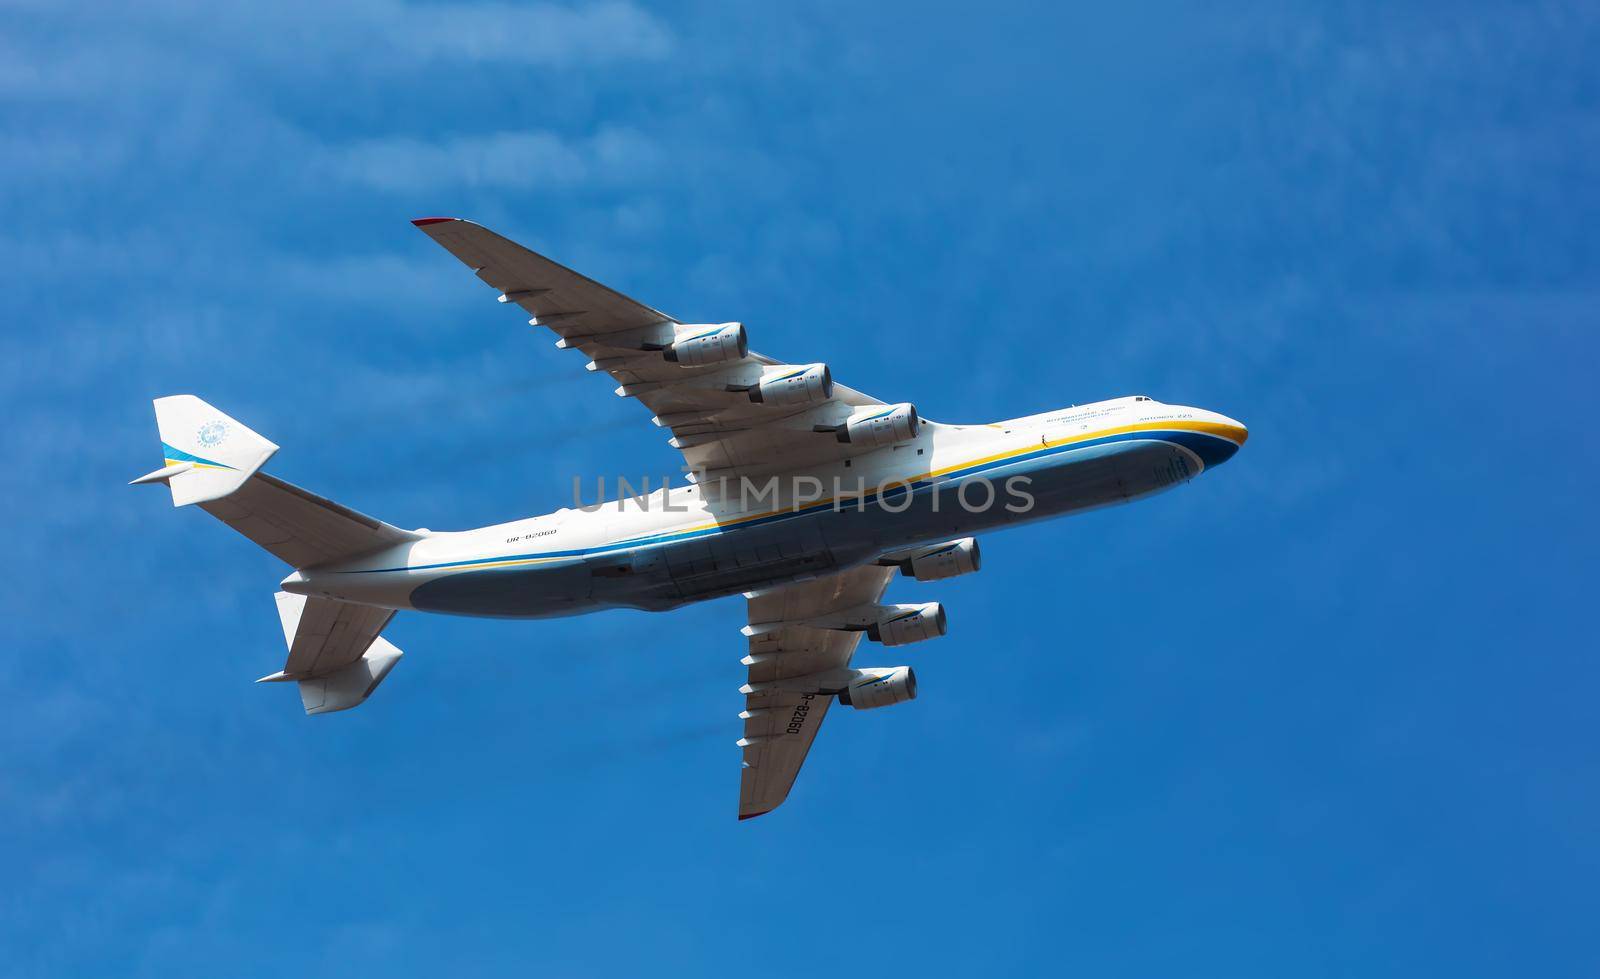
x=1230 y=432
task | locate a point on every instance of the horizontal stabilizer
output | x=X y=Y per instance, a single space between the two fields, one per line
x=335 y=651
x=348 y=687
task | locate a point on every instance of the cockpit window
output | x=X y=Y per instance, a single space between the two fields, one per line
x=1140 y=397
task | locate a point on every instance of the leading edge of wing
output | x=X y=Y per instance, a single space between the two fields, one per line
x=431 y=225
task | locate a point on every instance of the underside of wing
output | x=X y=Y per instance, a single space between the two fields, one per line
x=796 y=667
x=732 y=412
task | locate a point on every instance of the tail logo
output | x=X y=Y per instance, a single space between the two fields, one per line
x=212 y=433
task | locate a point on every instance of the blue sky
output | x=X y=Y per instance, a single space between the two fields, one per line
x=1327 y=711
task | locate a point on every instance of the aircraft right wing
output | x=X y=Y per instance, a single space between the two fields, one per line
x=779 y=723
x=732 y=412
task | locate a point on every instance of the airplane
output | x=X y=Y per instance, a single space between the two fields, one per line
x=802 y=494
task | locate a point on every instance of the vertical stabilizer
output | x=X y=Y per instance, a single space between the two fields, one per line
x=208 y=455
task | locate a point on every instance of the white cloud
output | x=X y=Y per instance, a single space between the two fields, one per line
x=541 y=34
x=168 y=44
x=56 y=154
x=518 y=160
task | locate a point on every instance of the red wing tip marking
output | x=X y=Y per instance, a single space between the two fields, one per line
x=752 y=815
x=419 y=222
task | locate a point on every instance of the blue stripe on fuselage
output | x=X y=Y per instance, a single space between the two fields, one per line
x=1212 y=449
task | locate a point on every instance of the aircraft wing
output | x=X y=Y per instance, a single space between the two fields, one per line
x=721 y=431
x=779 y=724
x=554 y=295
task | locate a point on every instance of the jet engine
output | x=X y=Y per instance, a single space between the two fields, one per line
x=796 y=386
x=947 y=560
x=880 y=687
x=876 y=427
x=701 y=345
x=903 y=626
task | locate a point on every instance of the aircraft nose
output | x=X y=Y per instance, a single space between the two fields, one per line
x=1234 y=429
x=1226 y=435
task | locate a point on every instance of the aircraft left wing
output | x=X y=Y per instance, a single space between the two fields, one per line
x=783 y=710
x=732 y=412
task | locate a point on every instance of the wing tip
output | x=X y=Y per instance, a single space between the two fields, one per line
x=751 y=815
x=424 y=222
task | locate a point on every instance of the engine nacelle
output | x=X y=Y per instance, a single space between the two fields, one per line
x=795 y=386
x=880 y=687
x=875 y=427
x=947 y=560
x=903 y=625
x=698 y=346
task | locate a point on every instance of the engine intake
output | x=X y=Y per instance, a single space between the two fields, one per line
x=946 y=560
x=880 y=687
x=908 y=624
x=698 y=346
x=875 y=427
x=795 y=386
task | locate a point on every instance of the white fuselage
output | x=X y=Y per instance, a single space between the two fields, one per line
x=693 y=543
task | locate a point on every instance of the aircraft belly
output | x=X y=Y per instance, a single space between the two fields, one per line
x=521 y=592
x=749 y=558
